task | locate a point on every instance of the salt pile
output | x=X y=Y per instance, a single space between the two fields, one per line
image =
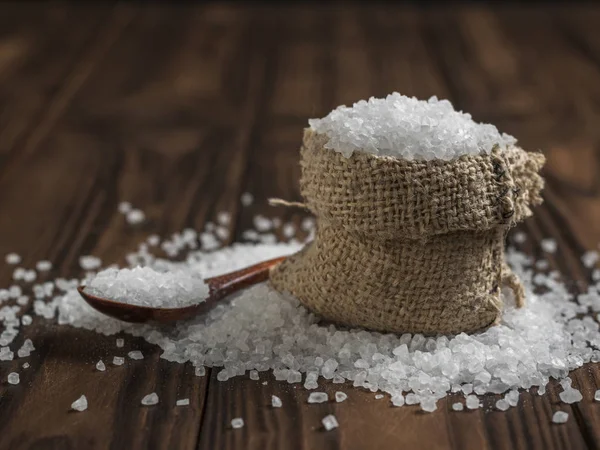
x=404 y=127
x=261 y=330
x=145 y=286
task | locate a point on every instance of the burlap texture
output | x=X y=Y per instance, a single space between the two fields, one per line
x=409 y=246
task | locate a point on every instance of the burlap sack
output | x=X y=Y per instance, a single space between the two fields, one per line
x=409 y=246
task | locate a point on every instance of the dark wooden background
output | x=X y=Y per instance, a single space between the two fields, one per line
x=181 y=108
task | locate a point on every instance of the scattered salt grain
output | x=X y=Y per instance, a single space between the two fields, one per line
x=262 y=223
x=289 y=230
x=340 y=396
x=6 y=354
x=25 y=365
x=329 y=422
x=254 y=375
x=472 y=402
x=408 y=128
x=238 y=422
x=264 y=383
x=118 y=360
x=100 y=366
x=560 y=417
x=12 y=258
x=519 y=237
x=13 y=378
x=145 y=286
x=183 y=402
x=153 y=240
x=29 y=276
x=570 y=395
x=224 y=218
x=457 y=406
x=502 y=405
x=81 y=404
x=150 y=399
x=43 y=266
x=120 y=342
x=548 y=245
x=276 y=402
x=222 y=233
x=124 y=207
x=200 y=371
x=19 y=274
x=26 y=349
x=379 y=396
x=23 y=300
x=590 y=258
x=135 y=354
x=317 y=397
x=89 y=262
x=247 y=198
x=135 y=217
x=428 y=404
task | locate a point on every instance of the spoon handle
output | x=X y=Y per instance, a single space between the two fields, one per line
x=223 y=285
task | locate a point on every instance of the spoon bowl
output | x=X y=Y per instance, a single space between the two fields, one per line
x=219 y=287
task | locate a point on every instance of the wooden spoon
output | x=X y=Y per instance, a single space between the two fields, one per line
x=219 y=287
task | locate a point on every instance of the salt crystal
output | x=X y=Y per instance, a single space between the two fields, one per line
x=276 y=402
x=289 y=230
x=13 y=378
x=502 y=405
x=224 y=218
x=597 y=395
x=150 y=399
x=429 y=404
x=340 y=396
x=560 y=417
x=398 y=400
x=200 y=371
x=337 y=379
x=472 y=402
x=570 y=395
x=254 y=375
x=457 y=406
x=19 y=274
x=548 y=245
x=118 y=361
x=247 y=198
x=124 y=207
x=43 y=266
x=519 y=237
x=238 y=422
x=329 y=422
x=153 y=240
x=120 y=342
x=89 y=262
x=408 y=128
x=135 y=354
x=23 y=300
x=262 y=223
x=512 y=398
x=26 y=349
x=100 y=366
x=379 y=396
x=590 y=258
x=25 y=365
x=135 y=217
x=183 y=402
x=222 y=233
x=81 y=404
x=12 y=258
x=317 y=397
x=6 y=354
x=29 y=276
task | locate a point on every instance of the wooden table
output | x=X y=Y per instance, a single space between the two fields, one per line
x=180 y=109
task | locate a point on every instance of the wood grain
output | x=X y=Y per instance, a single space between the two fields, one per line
x=181 y=108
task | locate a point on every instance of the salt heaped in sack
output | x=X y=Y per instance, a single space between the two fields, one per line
x=409 y=245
